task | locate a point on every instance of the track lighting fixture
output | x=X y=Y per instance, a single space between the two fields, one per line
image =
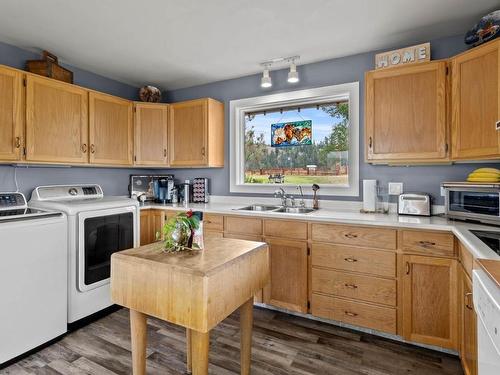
x=293 y=75
x=266 y=81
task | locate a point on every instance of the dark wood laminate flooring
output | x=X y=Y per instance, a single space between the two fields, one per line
x=282 y=345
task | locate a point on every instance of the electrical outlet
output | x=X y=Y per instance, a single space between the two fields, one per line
x=443 y=192
x=395 y=188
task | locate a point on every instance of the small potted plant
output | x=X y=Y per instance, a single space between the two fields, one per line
x=180 y=232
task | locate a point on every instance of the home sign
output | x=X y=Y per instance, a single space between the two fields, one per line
x=403 y=56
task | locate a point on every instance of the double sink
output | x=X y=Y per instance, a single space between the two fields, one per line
x=281 y=209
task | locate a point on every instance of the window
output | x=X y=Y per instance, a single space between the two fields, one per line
x=297 y=138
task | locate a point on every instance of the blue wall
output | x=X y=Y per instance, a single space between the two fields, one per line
x=114 y=181
x=324 y=73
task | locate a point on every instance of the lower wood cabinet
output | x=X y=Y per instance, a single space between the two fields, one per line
x=468 y=329
x=354 y=312
x=288 y=286
x=429 y=300
x=152 y=222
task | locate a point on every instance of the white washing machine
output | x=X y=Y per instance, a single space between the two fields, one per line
x=98 y=226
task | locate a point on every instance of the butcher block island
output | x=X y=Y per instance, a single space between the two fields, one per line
x=194 y=289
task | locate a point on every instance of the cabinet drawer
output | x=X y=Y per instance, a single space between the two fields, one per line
x=352 y=235
x=366 y=288
x=348 y=258
x=285 y=229
x=428 y=243
x=213 y=222
x=244 y=225
x=355 y=313
x=466 y=259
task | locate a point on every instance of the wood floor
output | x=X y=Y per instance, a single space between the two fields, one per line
x=282 y=345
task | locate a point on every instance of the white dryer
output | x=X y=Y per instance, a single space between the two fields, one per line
x=98 y=226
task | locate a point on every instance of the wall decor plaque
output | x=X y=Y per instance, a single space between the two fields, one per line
x=404 y=56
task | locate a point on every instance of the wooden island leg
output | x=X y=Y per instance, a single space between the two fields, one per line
x=189 y=351
x=200 y=342
x=138 y=330
x=246 y=323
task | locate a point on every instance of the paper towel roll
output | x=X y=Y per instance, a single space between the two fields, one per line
x=369 y=195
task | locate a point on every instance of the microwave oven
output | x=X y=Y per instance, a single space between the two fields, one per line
x=473 y=201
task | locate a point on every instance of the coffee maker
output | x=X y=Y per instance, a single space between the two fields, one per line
x=152 y=188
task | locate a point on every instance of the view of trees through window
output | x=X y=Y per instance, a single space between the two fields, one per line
x=323 y=161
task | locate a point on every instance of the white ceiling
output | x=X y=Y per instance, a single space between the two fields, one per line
x=181 y=43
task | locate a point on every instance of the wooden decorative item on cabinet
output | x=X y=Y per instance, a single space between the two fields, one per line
x=11 y=114
x=468 y=329
x=288 y=286
x=405 y=114
x=476 y=103
x=56 y=122
x=110 y=130
x=196 y=136
x=429 y=300
x=151 y=134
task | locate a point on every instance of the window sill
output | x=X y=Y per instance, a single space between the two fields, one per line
x=340 y=191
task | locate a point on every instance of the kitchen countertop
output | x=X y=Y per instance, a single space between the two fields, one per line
x=461 y=230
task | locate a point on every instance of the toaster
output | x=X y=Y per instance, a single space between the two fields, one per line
x=418 y=204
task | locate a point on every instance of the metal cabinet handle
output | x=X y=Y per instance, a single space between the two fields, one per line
x=18 y=142
x=370 y=142
x=408 y=268
x=92 y=148
x=497 y=125
x=164 y=152
x=350 y=260
x=426 y=243
x=203 y=151
x=467 y=304
x=350 y=235
x=84 y=148
x=351 y=286
x=349 y=313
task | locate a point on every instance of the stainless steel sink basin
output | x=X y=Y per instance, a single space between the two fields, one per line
x=259 y=207
x=295 y=210
x=281 y=209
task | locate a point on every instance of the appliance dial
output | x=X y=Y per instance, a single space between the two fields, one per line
x=73 y=191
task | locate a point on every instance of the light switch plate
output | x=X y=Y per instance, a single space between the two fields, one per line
x=443 y=192
x=395 y=188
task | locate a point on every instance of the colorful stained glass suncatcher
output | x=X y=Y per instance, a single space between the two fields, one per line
x=295 y=133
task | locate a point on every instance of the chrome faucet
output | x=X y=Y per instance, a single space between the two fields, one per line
x=302 y=202
x=281 y=193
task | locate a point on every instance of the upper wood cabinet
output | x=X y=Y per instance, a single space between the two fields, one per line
x=110 y=130
x=151 y=134
x=476 y=103
x=196 y=135
x=56 y=121
x=405 y=114
x=429 y=300
x=11 y=114
x=288 y=286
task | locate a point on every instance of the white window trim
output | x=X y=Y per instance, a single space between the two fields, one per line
x=326 y=94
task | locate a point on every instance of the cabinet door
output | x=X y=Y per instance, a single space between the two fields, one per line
x=430 y=300
x=157 y=222
x=146 y=227
x=406 y=113
x=56 y=121
x=110 y=130
x=11 y=119
x=476 y=103
x=468 y=342
x=288 y=286
x=151 y=132
x=188 y=133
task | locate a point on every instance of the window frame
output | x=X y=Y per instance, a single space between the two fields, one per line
x=238 y=109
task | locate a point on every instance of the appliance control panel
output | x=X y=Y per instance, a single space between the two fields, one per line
x=9 y=201
x=67 y=192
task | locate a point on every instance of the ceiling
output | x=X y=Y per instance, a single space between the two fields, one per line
x=182 y=43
